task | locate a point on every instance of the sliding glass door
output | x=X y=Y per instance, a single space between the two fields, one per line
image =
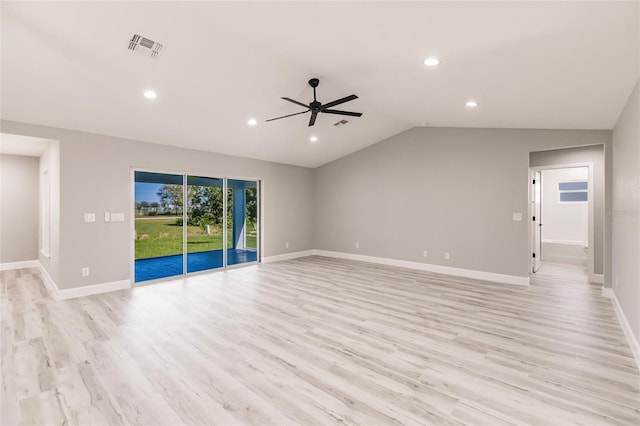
x=159 y=234
x=186 y=224
x=242 y=222
x=205 y=223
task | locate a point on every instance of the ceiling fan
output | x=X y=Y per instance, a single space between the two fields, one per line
x=316 y=107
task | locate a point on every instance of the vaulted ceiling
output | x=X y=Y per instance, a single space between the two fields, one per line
x=559 y=65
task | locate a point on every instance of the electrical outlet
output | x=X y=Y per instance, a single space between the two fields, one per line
x=447 y=255
x=424 y=253
x=286 y=245
x=357 y=245
x=85 y=271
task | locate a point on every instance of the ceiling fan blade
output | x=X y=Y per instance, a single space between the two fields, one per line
x=296 y=102
x=335 y=111
x=312 y=120
x=339 y=101
x=290 y=115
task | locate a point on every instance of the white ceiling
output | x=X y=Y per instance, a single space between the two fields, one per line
x=22 y=145
x=560 y=65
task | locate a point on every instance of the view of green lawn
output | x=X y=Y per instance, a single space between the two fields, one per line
x=157 y=237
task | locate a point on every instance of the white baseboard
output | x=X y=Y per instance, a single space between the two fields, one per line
x=626 y=328
x=19 y=265
x=288 y=256
x=571 y=260
x=597 y=278
x=72 y=293
x=48 y=281
x=567 y=242
x=438 y=269
x=89 y=290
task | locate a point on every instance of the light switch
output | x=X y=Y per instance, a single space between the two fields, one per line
x=517 y=217
x=117 y=217
x=89 y=217
x=107 y=216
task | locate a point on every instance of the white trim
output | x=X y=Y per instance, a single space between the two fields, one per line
x=597 y=278
x=19 y=265
x=288 y=256
x=622 y=319
x=89 y=290
x=45 y=211
x=72 y=293
x=48 y=281
x=259 y=235
x=132 y=223
x=568 y=242
x=438 y=269
x=564 y=165
x=570 y=260
x=535 y=210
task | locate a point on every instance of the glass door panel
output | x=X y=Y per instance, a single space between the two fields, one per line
x=158 y=226
x=242 y=221
x=205 y=223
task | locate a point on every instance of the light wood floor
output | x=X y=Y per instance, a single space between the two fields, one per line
x=317 y=341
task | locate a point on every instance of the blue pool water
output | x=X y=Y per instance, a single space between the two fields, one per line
x=168 y=266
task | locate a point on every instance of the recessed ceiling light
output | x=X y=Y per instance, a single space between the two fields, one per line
x=471 y=104
x=252 y=122
x=313 y=139
x=431 y=62
x=150 y=94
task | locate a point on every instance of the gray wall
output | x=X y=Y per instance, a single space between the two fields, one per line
x=594 y=154
x=437 y=189
x=625 y=211
x=19 y=186
x=95 y=177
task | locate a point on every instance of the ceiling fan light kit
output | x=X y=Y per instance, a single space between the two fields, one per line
x=317 y=107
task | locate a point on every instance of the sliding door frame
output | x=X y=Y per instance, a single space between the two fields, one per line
x=225 y=221
x=258 y=218
x=132 y=227
x=132 y=223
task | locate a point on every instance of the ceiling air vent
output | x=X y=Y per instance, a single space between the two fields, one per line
x=143 y=44
x=341 y=123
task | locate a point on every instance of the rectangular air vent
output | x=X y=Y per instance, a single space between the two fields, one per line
x=140 y=43
x=341 y=123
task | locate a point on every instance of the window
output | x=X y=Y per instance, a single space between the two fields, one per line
x=573 y=192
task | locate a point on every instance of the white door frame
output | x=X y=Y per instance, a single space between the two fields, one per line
x=593 y=277
x=536 y=229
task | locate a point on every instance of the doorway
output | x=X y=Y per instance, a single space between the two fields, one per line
x=562 y=216
x=185 y=224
